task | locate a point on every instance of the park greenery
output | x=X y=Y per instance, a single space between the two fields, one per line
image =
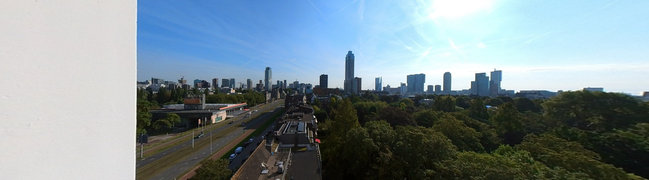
x=147 y=100
x=575 y=135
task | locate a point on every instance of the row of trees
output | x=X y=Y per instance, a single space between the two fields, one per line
x=576 y=135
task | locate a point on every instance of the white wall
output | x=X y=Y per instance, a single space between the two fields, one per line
x=67 y=89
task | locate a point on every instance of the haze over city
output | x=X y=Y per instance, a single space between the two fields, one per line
x=537 y=44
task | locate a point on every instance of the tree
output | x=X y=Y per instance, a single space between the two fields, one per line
x=465 y=138
x=445 y=103
x=557 y=152
x=478 y=110
x=508 y=124
x=358 y=154
x=426 y=118
x=396 y=117
x=383 y=136
x=524 y=104
x=173 y=118
x=418 y=150
x=596 y=111
x=143 y=116
x=368 y=110
x=213 y=169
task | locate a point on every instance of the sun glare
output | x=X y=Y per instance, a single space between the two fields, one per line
x=458 y=8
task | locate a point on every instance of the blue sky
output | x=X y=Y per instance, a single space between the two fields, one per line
x=538 y=44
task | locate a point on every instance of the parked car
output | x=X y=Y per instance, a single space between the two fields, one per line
x=238 y=150
x=232 y=156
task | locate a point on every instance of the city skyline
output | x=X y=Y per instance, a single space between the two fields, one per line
x=540 y=45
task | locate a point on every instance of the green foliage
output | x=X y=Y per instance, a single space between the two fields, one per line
x=508 y=124
x=213 y=170
x=478 y=110
x=143 y=116
x=596 y=111
x=445 y=103
x=368 y=110
x=462 y=136
x=524 y=104
x=396 y=117
x=426 y=118
x=557 y=152
x=417 y=150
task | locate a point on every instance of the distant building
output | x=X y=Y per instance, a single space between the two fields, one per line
x=201 y=84
x=349 y=72
x=357 y=85
x=249 y=83
x=268 y=77
x=182 y=81
x=232 y=83
x=324 y=81
x=447 y=82
x=594 y=89
x=260 y=86
x=403 y=89
x=416 y=83
x=157 y=81
x=438 y=89
x=430 y=89
x=480 y=86
x=225 y=82
x=378 y=83
x=284 y=84
x=494 y=84
x=215 y=83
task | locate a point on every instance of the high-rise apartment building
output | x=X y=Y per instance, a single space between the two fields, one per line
x=378 y=83
x=438 y=89
x=447 y=82
x=494 y=84
x=284 y=84
x=215 y=83
x=232 y=83
x=349 y=72
x=416 y=83
x=249 y=83
x=225 y=82
x=268 y=77
x=430 y=89
x=480 y=86
x=356 y=86
x=324 y=81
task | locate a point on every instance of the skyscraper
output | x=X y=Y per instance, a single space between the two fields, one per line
x=249 y=83
x=494 y=84
x=438 y=89
x=284 y=84
x=324 y=81
x=416 y=83
x=378 y=83
x=232 y=83
x=215 y=83
x=225 y=82
x=356 y=85
x=268 y=77
x=430 y=89
x=349 y=72
x=447 y=82
x=481 y=84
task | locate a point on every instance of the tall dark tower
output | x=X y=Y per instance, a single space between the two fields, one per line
x=349 y=72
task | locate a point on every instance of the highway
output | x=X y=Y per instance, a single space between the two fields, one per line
x=175 y=161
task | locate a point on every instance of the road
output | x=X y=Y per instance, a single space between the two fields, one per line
x=176 y=165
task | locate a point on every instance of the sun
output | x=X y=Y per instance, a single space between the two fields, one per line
x=458 y=8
